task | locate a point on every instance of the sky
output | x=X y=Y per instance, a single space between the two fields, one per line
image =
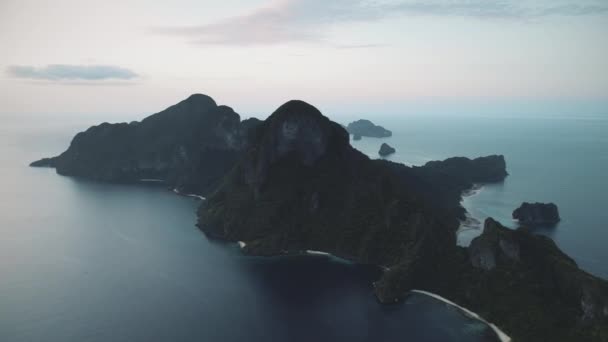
x=360 y=57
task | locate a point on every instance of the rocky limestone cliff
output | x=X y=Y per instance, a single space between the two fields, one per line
x=190 y=145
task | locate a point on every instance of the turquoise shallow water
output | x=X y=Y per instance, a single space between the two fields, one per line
x=84 y=261
x=549 y=159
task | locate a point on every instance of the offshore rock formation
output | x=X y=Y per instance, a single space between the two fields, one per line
x=365 y=128
x=386 y=149
x=190 y=146
x=301 y=186
x=537 y=213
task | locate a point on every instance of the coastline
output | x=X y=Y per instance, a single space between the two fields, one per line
x=175 y=190
x=502 y=336
x=499 y=333
x=151 y=180
x=470 y=225
x=311 y=252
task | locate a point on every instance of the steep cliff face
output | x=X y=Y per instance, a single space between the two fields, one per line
x=189 y=145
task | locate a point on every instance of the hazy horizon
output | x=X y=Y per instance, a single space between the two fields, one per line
x=348 y=58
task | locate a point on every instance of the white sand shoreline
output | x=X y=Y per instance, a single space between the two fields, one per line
x=311 y=252
x=470 y=223
x=501 y=335
x=474 y=190
x=189 y=195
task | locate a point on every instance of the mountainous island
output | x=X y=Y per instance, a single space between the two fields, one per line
x=293 y=183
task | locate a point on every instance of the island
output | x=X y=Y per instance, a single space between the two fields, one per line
x=365 y=128
x=386 y=149
x=537 y=214
x=293 y=183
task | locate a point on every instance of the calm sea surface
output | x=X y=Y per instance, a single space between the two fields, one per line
x=83 y=261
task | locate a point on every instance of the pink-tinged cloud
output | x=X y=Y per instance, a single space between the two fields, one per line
x=286 y=21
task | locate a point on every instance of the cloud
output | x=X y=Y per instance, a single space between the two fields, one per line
x=358 y=46
x=284 y=21
x=279 y=22
x=72 y=73
x=506 y=9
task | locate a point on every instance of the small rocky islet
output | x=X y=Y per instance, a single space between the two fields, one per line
x=386 y=150
x=537 y=214
x=293 y=183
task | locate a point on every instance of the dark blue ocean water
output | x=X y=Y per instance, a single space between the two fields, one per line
x=82 y=261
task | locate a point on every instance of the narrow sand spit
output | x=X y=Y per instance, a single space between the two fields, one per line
x=189 y=195
x=501 y=335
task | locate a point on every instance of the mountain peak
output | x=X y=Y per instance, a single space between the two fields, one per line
x=298 y=106
x=201 y=99
x=300 y=128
